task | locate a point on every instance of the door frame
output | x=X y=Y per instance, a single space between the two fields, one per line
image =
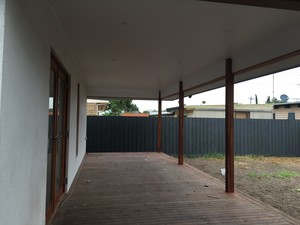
x=60 y=72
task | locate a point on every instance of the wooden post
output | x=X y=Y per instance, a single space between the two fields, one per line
x=181 y=119
x=159 y=125
x=229 y=128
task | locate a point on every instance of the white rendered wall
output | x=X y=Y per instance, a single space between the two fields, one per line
x=30 y=33
x=209 y=114
x=261 y=115
x=2 y=20
x=73 y=160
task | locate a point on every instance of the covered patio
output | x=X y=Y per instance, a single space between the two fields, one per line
x=158 y=50
x=150 y=188
x=54 y=54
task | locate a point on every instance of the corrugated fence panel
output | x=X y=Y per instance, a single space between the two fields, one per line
x=170 y=135
x=121 y=134
x=201 y=136
x=267 y=137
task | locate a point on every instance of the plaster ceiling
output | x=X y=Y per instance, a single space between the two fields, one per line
x=135 y=48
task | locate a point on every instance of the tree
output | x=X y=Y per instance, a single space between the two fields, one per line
x=117 y=107
x=273 y=100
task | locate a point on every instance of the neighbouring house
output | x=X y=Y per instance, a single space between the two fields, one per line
x=290 y=110
x=241 y=111
x=96 y=107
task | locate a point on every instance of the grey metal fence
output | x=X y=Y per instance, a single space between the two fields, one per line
x=201 y=136
x=121 y=134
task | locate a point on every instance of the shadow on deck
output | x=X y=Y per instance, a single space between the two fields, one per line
x=150 y=188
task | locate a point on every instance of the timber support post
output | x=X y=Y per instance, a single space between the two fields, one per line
x=159 y=124
x=181 y=120
x=229 y=128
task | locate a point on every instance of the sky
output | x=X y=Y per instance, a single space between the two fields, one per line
x=286 y=82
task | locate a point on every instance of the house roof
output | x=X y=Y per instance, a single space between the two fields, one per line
x=277 y=105
x=237 y=107
x=134 y=114
x=164 y=113
x=136 y=48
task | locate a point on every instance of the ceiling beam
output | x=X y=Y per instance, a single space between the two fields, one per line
x=276 y=4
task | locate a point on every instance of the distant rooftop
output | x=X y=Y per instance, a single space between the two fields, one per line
x=287 y=103
x=134 y=114
x=237 y=107
x=163 y=113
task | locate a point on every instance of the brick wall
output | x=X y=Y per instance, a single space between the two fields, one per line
x=92 y=109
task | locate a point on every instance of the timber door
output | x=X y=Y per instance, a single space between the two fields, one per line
x=57 y=136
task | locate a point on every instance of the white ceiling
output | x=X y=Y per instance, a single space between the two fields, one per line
x=135 y=48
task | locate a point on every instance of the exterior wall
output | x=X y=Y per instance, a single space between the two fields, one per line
x=238 y=115
x=209 y=114
x=73 y=160
x=96 y=108
x=261 y=115
x=282 y=113
x=92 y=109
x=2 y=20
x=189 y=113
x=2 y=154
x=29 y=36
x=241 y=115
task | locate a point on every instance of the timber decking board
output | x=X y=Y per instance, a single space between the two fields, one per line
x=150 y=188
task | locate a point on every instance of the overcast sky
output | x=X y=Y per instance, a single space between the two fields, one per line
x=287 y=82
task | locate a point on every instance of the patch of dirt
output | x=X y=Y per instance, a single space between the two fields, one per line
x=274 y=181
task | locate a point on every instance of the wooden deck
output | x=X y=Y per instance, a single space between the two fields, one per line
x=150 y=188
